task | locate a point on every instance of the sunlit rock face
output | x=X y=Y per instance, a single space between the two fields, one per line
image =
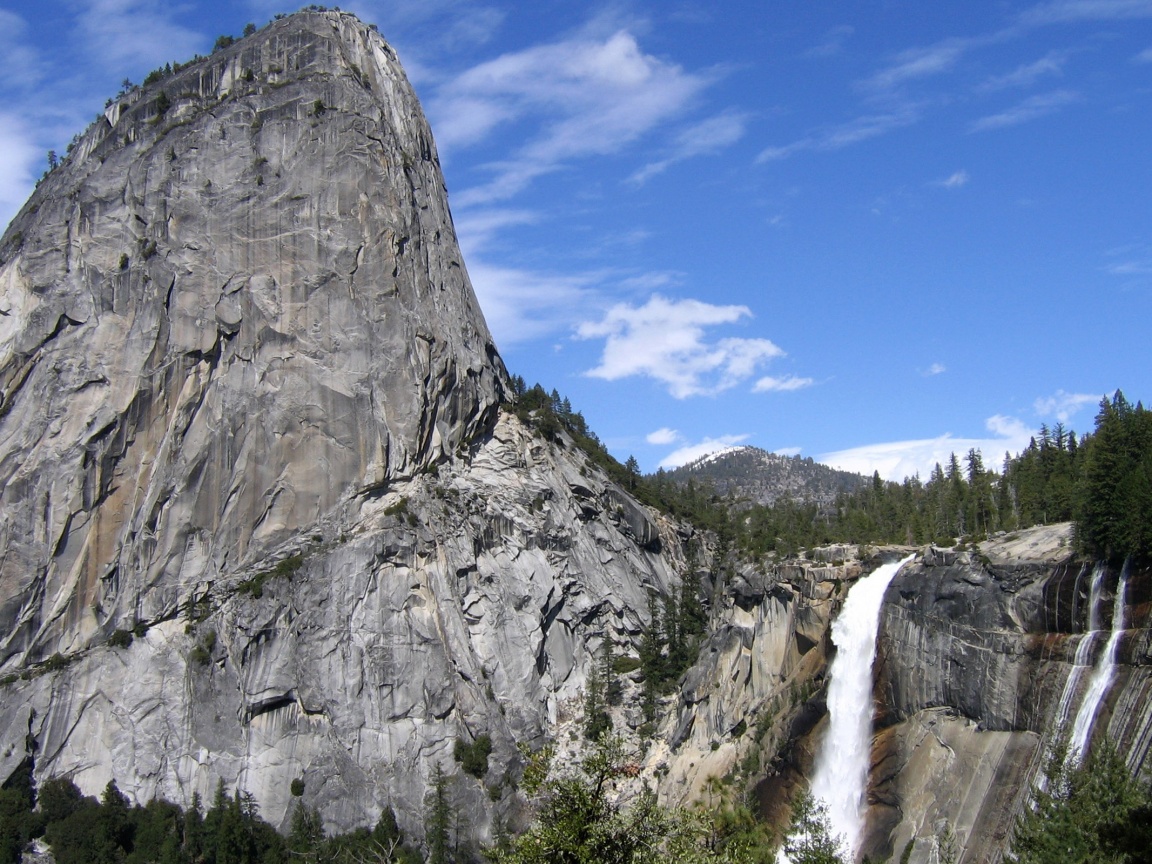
x=976 y=651
x=219 y=322
x=250 y=408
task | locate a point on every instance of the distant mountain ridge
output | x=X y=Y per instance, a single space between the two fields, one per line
x=761 y=477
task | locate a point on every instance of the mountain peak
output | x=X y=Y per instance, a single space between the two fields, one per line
x=761 y=477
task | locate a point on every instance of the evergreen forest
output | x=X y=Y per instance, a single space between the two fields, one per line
x=1101 y=480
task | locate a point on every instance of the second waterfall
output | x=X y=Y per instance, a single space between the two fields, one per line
x=841 y=775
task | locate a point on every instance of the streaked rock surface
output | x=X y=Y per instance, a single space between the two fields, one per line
x=249 y=407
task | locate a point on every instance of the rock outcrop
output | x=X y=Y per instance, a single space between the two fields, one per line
x=975 y=653
x=976 y=650
x=262 y=517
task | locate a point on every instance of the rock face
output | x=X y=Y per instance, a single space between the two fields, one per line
x=249 y=410
x=218 y=321
x=975 y=652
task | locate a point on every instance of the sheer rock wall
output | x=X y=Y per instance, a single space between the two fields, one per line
x=249 y=409
x=975 y=652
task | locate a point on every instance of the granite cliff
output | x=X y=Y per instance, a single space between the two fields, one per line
x=977 y=652
x=263 y=518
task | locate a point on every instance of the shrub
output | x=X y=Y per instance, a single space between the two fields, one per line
x=56 y=662
x=473 y=758
x=120 y=639
x=298 y=787
x=623 y=664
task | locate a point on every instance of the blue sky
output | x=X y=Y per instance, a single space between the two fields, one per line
x=870 y=233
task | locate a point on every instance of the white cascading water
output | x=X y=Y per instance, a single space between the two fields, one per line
x=841 y=775
x=1081 y=660
x=1102 y=675
x=1083 y=648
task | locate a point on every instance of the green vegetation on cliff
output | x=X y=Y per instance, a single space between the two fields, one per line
x=1095 y=813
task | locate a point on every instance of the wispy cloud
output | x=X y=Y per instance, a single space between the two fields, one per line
x=1131 y=262
x=521 y=305
x=838 y=137
x=1072 y=11
x=703 y=139
x=476 y=229
x=1029 y=73
x=1144 y=56
x=1131 y=268
x=19 y=155
x=784 y=384
x=20 y=65
x=1063 y=406
x=935 y=369
x=917 y=63
x=664 y=340
x=588 y=96
x=707 y=447
x=125 y=35
x=954 y=180
x=1032 y=108
x=896 y=460
x=833 y=43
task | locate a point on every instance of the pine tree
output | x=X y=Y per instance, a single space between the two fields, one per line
x=810 y=839
x=440 y=819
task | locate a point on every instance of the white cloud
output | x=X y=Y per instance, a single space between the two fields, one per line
x=1031 y=108
x=662 y=437
x=1070 y=11
x=127 y=35
x=935 y=369
x=845 y=135
x=833 y=43
x=18 y=157
x=896 y=460
x=786 y=383
x=1130 y=268
x=20 y=65
x=1063 y=405
x=522 y=305
x=1029 y=73
x=1144 y=56
x=703 y=139
x=664 y=340
x=707 y=447
x=919 y=63
x=954 y=180
x=589 y=96
x=476 y=228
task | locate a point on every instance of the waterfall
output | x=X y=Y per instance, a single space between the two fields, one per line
x=841 y=775
x=1080 y=661
x=1102 y=675
x=1083 y=648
